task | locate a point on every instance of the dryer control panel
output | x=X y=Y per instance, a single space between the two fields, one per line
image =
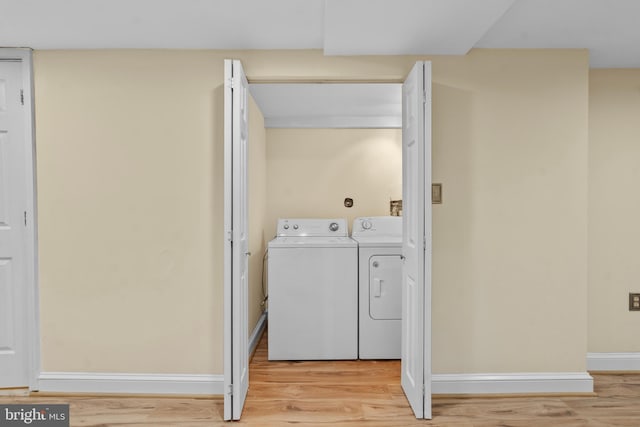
x=312 y=227
x=377 y=226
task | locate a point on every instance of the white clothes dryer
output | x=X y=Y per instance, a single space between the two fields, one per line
x=313 y=291
x=380 y=285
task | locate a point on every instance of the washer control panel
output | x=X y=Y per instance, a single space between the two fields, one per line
x=312 y=227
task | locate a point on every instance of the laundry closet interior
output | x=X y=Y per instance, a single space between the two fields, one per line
x=331 y=151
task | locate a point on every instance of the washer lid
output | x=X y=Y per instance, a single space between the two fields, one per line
x=312 y=242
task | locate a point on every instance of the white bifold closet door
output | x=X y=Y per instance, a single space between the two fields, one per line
x=416 y=239
x=236 y=321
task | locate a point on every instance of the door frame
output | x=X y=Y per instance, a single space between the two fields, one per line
x=25 y=57
x=230 y=357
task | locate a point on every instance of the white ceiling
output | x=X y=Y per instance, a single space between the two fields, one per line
x=608 y=28
x=329 y=105
x=384 y=27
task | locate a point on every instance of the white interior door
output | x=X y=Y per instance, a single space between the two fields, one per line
x=14 y=274
x=416 y=243
x=236 y=369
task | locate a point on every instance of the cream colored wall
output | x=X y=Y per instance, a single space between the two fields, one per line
x=614 y=209
x=312 y=171
x=129 y=177
x=510 y=243
x=130 y=205
x=257 y=164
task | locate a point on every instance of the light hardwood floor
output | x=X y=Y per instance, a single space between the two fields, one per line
x=354 y=393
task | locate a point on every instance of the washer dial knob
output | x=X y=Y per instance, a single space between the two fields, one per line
x=366 y=224
x=334 y=226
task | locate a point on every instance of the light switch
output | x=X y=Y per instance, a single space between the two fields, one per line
x=436 y=193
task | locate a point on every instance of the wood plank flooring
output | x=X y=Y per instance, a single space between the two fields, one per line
x=354 y=393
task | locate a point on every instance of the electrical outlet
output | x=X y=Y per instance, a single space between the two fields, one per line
x=634 y=302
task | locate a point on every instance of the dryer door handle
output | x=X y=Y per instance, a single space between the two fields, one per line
x=377 y=288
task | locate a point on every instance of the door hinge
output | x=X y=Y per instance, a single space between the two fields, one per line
x=25 y=218
x=424 y=97
x=230 y=391
x=21 y=96
x=424 y=242
x=230 y=236
x=232 y=82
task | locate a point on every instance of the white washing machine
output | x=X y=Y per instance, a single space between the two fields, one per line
x=313 y=291
x=380 y=284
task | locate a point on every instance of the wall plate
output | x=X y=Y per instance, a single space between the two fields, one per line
x=436 y=194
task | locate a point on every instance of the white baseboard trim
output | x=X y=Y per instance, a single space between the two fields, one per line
x=257 y=332
x=613 y=361
x=512 y=383
x=88 y=382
